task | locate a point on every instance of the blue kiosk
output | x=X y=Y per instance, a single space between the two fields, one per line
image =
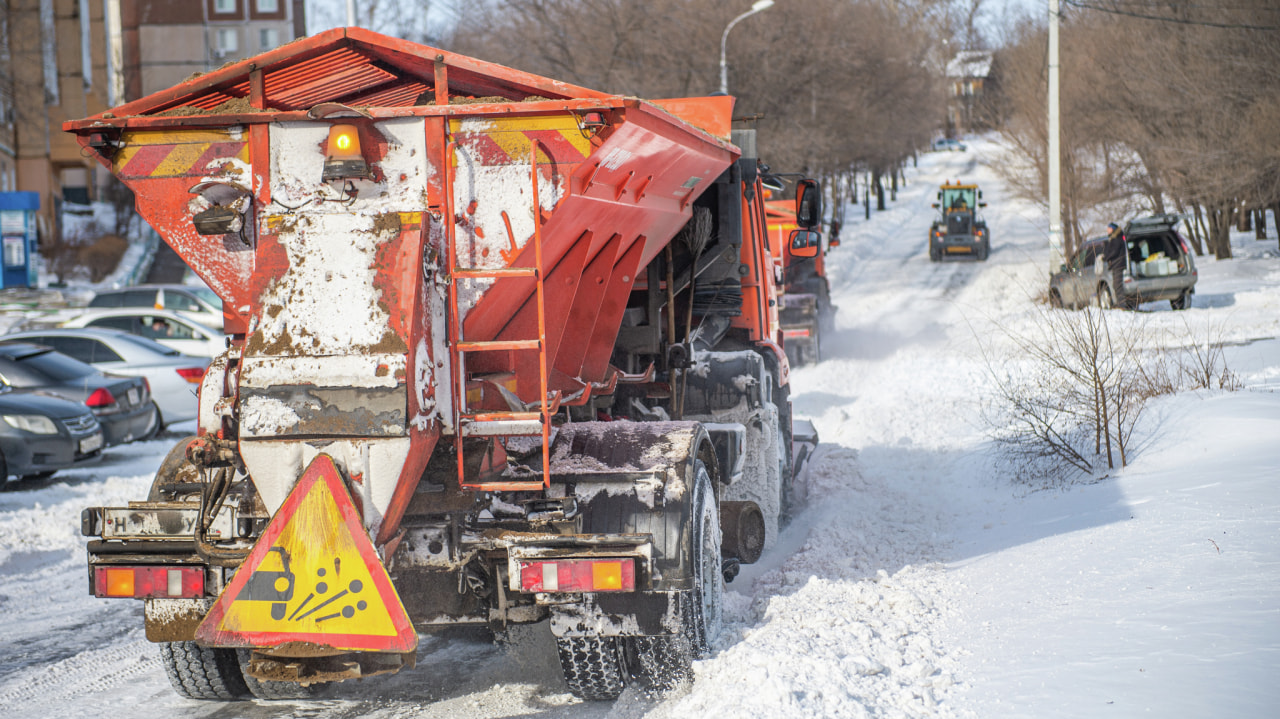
x=18 y=235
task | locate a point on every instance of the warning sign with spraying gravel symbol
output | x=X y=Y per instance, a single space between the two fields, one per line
x=312 y=577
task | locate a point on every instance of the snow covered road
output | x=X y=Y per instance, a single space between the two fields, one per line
x=921 y=580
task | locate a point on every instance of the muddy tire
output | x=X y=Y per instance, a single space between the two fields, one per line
x=198 y=672
x=265 y=689
x=702 y=619
x=592 y=667
x=1055 y=300
x=663 y=663
x=1182 y=301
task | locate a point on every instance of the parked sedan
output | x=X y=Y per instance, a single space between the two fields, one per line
x=196 y=302
x=41 y=434
x=122 y=405
x=168 y=328
x=173 y=376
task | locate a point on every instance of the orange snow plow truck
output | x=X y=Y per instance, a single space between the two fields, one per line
x=502 y=350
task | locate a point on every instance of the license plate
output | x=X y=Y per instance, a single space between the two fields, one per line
x=133 y=396
x=89 y=444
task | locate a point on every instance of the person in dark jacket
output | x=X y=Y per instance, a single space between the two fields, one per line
x=1116 y=253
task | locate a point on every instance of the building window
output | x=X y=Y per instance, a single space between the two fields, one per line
x=228 y=41
x=224 y=7
x=268 y=38
x=267 y=6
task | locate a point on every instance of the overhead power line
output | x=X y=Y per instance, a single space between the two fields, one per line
x=1166 y=18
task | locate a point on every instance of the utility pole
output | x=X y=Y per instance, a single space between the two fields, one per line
x=1056 y=257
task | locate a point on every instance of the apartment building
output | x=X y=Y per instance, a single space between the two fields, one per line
x=166 y=41
x=67 y=59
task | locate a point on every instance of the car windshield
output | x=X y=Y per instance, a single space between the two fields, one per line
x=206 y=294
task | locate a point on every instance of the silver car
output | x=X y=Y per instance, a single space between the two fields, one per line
x=1160 y=266
x=194 y=301
x=164 y=326
x=174 y=377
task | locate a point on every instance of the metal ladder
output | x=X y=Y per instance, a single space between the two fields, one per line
x=498 y=424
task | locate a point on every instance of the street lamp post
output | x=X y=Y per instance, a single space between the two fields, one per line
x=759 y=6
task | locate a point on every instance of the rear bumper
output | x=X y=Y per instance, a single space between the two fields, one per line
x=128 y=426
x=958 y=244
x=1155 y=290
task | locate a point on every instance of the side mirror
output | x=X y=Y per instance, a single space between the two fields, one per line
x=804 y=243
x=982 y=204
x=936 y=205
x=808 y=204
x=979 y=194
x=939 y=196
x=833 y=242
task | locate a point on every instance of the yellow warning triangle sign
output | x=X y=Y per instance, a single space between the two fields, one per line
x=313 y=577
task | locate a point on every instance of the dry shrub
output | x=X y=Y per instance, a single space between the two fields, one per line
x=1072 y=400
x=102 y=256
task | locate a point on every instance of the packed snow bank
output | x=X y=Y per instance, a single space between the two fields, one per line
x=1153 y=592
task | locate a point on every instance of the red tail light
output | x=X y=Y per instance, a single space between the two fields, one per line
x=146 y=384
x=100 y=398
x=191 y=374
x=578 y=575
x=146 y=582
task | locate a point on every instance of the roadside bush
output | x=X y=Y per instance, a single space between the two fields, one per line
x=102 y=256
x=1069 y=403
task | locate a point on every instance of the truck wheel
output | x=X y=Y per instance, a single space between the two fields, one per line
x=267 y=689
x=935 y=255
x=1055 y=300
x=592 y=667
x=198 y=672
x=662 y=663
x=1182 y=301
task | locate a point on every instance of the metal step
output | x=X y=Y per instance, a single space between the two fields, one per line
x=502 y=427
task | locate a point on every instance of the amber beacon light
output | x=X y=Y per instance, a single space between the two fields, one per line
x=343 y=159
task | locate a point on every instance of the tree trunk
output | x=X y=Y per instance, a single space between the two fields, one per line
x=1220 y=231
x=1200 y=237
x=878 y=181
x=1260 y=223
x=1244 y=219
x=893 y=184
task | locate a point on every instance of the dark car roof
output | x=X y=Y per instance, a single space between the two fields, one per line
x=20 y=350
x=1154 y=223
